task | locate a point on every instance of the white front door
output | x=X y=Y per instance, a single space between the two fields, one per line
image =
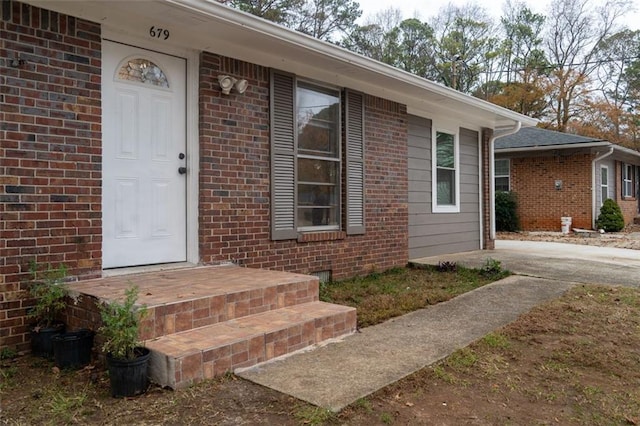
x=144 y=157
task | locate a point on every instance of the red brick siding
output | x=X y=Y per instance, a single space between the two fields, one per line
x=50 y=173
x=540 y=205
x=487 y=242
x=235 y=183
x=628 y=205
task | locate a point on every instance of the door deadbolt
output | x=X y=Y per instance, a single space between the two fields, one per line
x=181 y=156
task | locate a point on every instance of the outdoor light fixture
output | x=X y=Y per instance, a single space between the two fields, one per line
x=241 y=86
x=227 y=83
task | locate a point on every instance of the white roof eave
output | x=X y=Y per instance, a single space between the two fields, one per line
x=210 y=26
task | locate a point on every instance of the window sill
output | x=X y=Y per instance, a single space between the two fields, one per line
x=309 y=237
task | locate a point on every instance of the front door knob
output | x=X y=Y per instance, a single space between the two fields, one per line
x=182 y=170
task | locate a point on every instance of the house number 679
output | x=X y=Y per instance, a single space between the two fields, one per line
x=159 y=33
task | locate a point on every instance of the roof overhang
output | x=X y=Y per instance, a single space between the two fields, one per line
x=210 y=26
x=544 y=148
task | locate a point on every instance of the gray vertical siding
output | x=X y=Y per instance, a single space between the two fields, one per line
x=432 y=234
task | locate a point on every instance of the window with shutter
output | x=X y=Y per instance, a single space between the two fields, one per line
x=306 y=158
x=354 y=124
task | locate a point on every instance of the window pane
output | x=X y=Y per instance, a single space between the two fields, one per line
x=446 y=187
x=445 y=150
x=502 y=168
x=318 y=121
x=317 y=171
x=143 y=71
x=317 y=205
x=502 y=184
x=318 y=127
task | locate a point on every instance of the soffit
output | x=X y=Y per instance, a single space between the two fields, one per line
x=210 y=26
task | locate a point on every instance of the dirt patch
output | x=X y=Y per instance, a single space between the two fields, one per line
x=628 y=239
x=575 y=360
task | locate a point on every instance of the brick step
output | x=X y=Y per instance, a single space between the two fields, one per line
x=181 y=300
x=183 y=358
x=176 y=316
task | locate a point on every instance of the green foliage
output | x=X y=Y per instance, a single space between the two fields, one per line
x=506 y=216
x=49 y=290
x=491 y=268
x=310 y=415
x=610 y=218
x=8 y=353
x=496 y=340
x=121 y=325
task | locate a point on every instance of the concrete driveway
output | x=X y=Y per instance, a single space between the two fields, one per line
x=557 y=261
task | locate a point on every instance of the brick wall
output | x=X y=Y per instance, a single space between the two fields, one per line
x=540 y=205
x=235 y=187
x=488 y=243
x=50 y=177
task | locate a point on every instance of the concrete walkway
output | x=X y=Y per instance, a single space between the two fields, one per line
x=336 y=375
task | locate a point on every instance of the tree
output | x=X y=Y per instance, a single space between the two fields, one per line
x=616 y=80
x=324 y=19
x=378 y=37
x=517 y=83
x=279 y=11
x=573 y=35
x=463 y=43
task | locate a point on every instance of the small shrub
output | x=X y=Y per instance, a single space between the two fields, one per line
x=491 y=267
x=506 y=212
x=447 y=266
x=610 y=218
x=49 y=290
x=121 y=325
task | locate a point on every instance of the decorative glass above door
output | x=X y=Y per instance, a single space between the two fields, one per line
x=143 y=71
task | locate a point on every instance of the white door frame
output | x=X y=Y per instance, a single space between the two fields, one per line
x=192 y=131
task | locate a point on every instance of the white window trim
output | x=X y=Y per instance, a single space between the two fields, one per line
x=627 y=179
x=508 y=175
x=435 y=208
x=602 y=185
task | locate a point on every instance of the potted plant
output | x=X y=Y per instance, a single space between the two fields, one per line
x=49 y=291
x=127 y=360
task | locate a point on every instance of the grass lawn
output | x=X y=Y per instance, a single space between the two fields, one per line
x=381 y=296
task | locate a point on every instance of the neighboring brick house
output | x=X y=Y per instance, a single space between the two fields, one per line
x=558 y=175
x=186 y=132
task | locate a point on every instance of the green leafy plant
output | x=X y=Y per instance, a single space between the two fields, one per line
x=121 y=325
x=610 y=218
x=49 y=290
x=506 y=212
x=491 y=267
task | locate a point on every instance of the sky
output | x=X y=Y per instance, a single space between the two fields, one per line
x=428 y=8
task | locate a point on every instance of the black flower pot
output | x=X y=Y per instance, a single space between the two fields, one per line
x=73 y=350
x=41 y=339
x=129 y=377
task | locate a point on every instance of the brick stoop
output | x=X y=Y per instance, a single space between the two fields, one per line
x=206 y=321
x=180 y=359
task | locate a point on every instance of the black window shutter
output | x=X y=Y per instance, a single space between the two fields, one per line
x=283 y=157
x=354 y=125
